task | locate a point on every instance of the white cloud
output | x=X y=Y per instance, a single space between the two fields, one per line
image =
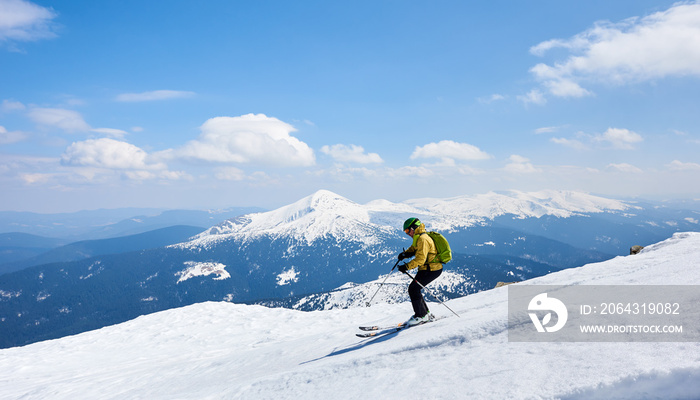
x=25 y=21
x=409 y=171
x=576 y=43
x=663 y=44
x=443 y=162
x=518 y=159
x=142 y=175
x=116 y=133
x=491 y=99
x=566 y=88
x=15 y=162
x=624 y=167
x=448 y=149
x=139 y=175
x=520 y=165
x=154 y=95
x=534 y=96
x=352 y=153
x=615 y=138
x=251 y=138
x=108 y=153
x=342 y=173
x=547 y=129
x=35 y=178
x=676 y=165
x=573 y=143
x=105 y=156
x=230 y=174
x=467 y=170
x=7 y=137
x=67 y=120
x=619 y=138
x=10 y=106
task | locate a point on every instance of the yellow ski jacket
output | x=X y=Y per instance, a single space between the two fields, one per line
x=425 y=250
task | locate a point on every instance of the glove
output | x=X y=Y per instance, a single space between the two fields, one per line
x=405 y=254
x=403 y=268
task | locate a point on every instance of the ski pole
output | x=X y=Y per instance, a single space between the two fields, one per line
x=428 y=291
x=382 y=284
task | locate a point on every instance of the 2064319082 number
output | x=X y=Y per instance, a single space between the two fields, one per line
x=640 y=308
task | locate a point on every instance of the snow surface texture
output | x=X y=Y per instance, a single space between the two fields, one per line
x=230 y=351
x=325 y=213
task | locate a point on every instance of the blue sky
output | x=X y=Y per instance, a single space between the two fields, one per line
x=213 y=104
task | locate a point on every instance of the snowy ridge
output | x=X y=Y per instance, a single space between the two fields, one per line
x=325 y=214
x=468 y=210
x=223 y=350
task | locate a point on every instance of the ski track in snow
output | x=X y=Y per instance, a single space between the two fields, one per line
x=229 y=351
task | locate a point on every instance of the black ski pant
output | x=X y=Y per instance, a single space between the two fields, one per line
x=414 y=290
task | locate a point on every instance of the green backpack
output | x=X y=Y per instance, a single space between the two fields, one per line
x=444 y=253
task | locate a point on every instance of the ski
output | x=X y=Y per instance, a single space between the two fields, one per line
x=375 y=330
x=381 y=328
x=380 y=332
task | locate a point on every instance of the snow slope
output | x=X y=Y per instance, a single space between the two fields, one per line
x=229 y=351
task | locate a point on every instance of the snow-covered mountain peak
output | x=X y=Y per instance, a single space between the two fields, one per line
x=322 y=214
x=322 y=201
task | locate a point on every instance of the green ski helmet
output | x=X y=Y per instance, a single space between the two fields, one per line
x=411 y=223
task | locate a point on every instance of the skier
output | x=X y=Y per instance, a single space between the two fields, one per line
x=425 y=256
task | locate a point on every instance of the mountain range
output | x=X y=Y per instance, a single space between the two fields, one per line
x=85 y=248
x=109 y=223
x=302 y=254
x=28 y=239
